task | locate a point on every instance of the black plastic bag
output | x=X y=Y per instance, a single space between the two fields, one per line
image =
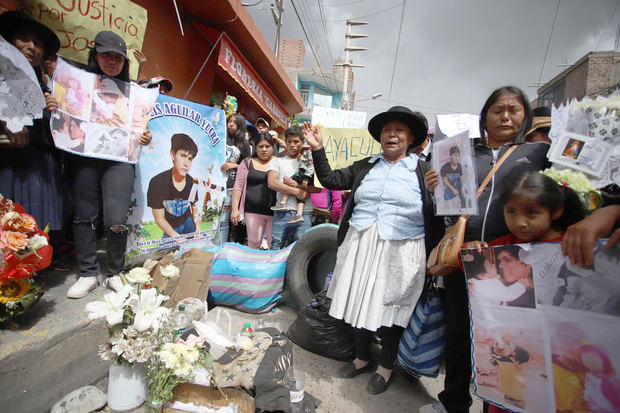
x=316 y=331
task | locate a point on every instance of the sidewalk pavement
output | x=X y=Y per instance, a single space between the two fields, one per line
x=56 y=341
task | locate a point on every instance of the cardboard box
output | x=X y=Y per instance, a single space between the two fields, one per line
x=211 y=398
x=195 y=267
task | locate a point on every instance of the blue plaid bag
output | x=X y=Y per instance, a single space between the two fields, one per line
x=421 y=347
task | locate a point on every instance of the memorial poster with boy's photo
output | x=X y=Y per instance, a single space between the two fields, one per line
x=179 y=188
x=99 y=116
x=453 y=159
x=545 y=332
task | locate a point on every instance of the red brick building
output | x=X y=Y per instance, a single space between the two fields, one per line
x=597 y=73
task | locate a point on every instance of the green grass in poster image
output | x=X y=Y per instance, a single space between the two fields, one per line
x=151 y=231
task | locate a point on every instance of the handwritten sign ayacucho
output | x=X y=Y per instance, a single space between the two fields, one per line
x=77 y=22
x=345 y=146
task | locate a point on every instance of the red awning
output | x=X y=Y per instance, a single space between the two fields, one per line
x=233 y=62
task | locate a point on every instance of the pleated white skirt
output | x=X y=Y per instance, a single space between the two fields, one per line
x=376 y=282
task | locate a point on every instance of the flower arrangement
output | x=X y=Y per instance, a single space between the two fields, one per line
x=578 y=182
x=174 y=361
x=24 y=250
x=230 y=105
x=133 y=315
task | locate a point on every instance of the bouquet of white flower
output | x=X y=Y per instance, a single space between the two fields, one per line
x=133 y=315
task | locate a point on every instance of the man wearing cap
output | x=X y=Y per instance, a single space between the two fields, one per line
x=164 y=84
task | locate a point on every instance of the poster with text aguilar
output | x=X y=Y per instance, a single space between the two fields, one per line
x=545 y=333
x=179 y=188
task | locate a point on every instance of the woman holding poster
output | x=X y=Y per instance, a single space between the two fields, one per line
x=30 y=165
x=505 y=119
x=114 y=179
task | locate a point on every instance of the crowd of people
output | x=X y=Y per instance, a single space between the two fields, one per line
x=387 y=227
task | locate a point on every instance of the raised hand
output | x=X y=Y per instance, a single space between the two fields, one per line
x=312 y=135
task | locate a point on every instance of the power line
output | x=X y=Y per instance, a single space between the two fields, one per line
x=400 y=28
x=548 y=42
x=607 y=25
x=309 y=43
x=367 y=15
x=329 y=50
x=312 y=31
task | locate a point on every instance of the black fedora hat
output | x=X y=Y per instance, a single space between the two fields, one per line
x=415 y=120
x=12 y=21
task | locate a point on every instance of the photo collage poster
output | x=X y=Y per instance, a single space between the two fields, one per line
x=179 y=188
x=544 y=331
x=453 y=159
x=99 y=116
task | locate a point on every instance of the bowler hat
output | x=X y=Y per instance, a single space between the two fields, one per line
x=107 y=41
x=12 y=21
x=414 y=120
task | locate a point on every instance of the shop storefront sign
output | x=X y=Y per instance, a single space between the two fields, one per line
x=233 y=62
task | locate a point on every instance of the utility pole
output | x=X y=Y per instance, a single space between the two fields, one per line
x=277 y=17
x=347 y=62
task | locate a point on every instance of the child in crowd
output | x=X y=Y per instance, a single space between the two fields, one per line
x=536 y=209
x=305 y=174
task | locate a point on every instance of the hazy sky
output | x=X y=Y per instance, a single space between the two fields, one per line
x=452 y=53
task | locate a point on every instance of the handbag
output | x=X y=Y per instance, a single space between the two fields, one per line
x=420 y=349
x=443 y=259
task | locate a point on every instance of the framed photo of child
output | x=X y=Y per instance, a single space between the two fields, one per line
x=453 y=160
x=581 y=152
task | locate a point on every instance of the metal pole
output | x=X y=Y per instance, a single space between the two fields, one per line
x=345 y=68
x=278 y=20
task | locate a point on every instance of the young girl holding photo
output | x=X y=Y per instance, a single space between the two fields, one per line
x=536 y=209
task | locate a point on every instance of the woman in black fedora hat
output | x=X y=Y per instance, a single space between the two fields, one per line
x=30 y=165
x=386 y=229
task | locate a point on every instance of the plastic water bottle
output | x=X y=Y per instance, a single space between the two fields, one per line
x=295 y=381
x=261 y=324
x=181 y=320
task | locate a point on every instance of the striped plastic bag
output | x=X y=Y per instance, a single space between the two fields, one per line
x=247 y=279
x=421 y=347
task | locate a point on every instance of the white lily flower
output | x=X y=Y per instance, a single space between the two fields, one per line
x=170 y=271
x=138 y=275
x=112 y=307
x=148 y=309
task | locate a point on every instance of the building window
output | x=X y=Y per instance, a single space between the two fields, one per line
x=304 y=90
x=322 y=98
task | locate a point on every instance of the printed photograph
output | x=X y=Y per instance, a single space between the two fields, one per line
x=179 y=187
x=110 y=102
x=594 y=288
x=509 y=360
x=67 y=132
x=106 y=141
x=573 y=148
x=581 y=152
x=73 y=89
x=500 y=276
x=585 y=361
x=456 y=192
